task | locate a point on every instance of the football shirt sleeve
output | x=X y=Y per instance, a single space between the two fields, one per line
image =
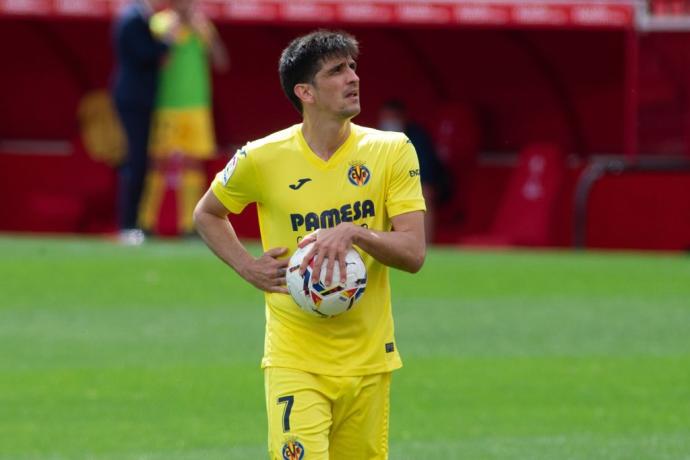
x=237 y=184
x=404 y=193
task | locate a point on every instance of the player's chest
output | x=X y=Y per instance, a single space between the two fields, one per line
x=308 y=187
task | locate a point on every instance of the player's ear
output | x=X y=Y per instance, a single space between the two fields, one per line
x=304 y=92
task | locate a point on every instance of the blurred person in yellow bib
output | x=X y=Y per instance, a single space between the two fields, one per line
x=182 y=134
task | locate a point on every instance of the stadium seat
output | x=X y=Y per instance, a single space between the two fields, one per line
x=526 y=213
x=457 y=136
x=456 y=133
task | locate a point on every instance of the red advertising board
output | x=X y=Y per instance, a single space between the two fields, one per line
x=459 y=13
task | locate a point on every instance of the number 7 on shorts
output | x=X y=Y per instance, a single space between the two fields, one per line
x=288 y=401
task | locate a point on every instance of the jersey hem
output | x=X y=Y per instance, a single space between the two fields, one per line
x=366 y=370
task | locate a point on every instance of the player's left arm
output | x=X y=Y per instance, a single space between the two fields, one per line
x=404 y=247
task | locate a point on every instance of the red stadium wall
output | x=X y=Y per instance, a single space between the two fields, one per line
x=56 y=193
x=640 y=210
x=563 y=86
x=524 y=85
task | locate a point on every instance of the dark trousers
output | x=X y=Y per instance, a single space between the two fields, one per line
x=137 y=125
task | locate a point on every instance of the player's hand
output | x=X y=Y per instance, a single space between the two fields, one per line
x=268 y=271
x=330 y=244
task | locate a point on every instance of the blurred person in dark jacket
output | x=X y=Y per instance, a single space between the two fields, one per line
x=138 y=56
x=393 y=117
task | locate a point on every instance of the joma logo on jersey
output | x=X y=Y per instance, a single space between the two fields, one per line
x=332 y=217
x=358 y=174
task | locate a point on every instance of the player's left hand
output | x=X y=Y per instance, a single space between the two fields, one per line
x=330 y=244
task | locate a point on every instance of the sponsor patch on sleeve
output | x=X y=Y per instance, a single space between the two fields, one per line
x=229 y=169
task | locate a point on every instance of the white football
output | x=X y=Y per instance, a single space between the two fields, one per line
x=320 y=299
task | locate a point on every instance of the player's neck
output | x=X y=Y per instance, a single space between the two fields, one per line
x=324 y=137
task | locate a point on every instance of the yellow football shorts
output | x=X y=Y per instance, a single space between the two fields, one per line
x=317 y=417
x=189 y=131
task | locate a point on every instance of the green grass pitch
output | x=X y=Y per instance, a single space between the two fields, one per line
x=152 y=353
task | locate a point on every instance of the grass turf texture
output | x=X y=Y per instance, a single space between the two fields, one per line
x=117 y=353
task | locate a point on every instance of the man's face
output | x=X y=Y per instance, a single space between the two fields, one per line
x=391 y=120
x=336 y=87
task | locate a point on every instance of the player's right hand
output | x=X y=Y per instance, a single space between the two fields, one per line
x=330 y=245
x=268 y=271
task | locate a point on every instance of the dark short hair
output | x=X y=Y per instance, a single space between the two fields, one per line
x=396 y=105
x=303 y=57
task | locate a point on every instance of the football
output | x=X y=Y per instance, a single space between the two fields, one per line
x=324 y=300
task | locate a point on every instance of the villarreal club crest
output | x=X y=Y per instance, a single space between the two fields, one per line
x=358 y=174
x=293 y=450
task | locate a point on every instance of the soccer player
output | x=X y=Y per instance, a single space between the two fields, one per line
x=339 y=185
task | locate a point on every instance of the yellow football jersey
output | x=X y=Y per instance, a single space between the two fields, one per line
x=372 y=177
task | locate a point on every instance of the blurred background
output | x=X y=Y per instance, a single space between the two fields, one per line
x=556 y=123
x=539 y=124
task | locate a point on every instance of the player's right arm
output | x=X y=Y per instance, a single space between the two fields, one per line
x=266 y=272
